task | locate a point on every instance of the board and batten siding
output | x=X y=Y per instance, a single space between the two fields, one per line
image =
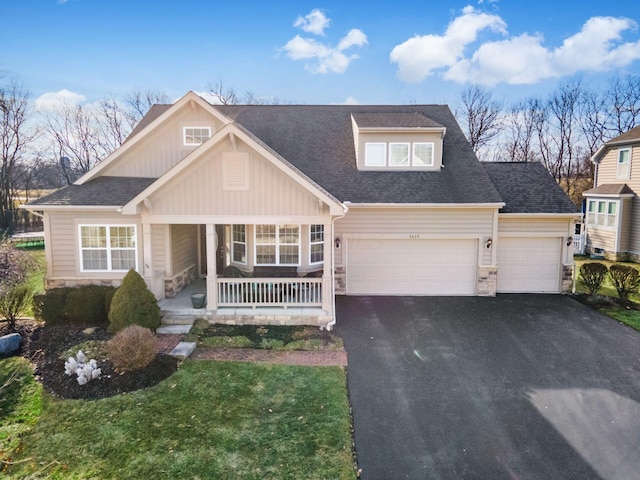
x=425 y=222
x=163 y=148
x=184 y=247
x=159 y=248
x=65 y=247
x=523 y=226
x=200 y=190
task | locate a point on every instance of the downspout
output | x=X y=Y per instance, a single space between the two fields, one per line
x=331 y=324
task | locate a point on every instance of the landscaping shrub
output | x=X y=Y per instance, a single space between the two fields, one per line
x=132 y=348
x=49 y=306
x=592 y=276
x=626 y=279
x=88 y=304
x=14 y=300
x=133 y=304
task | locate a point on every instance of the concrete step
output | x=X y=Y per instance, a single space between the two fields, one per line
x=173 y=329
x=177 y=320
x=183 y=350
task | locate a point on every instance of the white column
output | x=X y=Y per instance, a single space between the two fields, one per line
x=327 y=271
x=212 y=287
x=147 y=259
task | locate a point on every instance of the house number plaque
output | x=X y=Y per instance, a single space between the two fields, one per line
x=414 y=235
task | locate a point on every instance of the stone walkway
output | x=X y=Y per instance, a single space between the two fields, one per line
x=166 y=343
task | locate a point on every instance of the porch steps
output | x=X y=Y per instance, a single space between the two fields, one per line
x=177 y=320
x=173 y=329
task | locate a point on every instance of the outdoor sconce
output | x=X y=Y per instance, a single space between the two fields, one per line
x=489 y=243
x=338 y=241
x=569 y=241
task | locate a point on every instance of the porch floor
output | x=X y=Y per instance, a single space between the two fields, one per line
x=180 y=305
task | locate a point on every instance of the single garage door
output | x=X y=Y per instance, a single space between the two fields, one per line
x=411 y=267
x=529 y=265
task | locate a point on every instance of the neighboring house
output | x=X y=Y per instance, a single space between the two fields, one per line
x=612 y=211
x=355 y=200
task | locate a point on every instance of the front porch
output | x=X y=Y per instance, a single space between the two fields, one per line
x=234 y=310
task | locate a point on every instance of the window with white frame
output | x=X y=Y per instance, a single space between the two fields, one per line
x=277 y=244
x=316 y=244
x=400 y=154
x=239 y=244
x=194 y=136
x=624 y=157
x=602 y=213
x=107 y=248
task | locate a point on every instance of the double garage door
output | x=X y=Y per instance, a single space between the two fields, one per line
x=449 y=266
x=411 y=266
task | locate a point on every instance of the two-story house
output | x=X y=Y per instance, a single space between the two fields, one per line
x=612 y=213
x=286 y=206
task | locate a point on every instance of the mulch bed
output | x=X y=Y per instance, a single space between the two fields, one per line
x=44 y=344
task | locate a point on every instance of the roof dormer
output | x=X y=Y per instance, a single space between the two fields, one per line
x=397 y=141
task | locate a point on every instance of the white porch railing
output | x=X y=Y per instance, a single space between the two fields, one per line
x=578 y=244
x=269 y=292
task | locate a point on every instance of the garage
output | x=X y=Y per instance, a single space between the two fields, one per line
x=529 y=264
x=411 y=266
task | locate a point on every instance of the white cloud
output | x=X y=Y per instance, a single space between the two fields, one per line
x=349 y=101
x=314 y=22
x=521 y=59
x=321 y=57
x=54 y=100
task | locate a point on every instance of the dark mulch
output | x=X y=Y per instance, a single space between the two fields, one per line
x=44 y=344
x=258 y=333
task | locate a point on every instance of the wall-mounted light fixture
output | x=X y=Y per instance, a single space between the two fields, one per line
x=569 y=241
x=488 y=243
x=338 y=242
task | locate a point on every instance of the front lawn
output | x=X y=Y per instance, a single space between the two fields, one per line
x=208 y=420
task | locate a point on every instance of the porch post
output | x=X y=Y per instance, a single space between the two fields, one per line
x=212 y=287
x=147 y=259
x=327 y=270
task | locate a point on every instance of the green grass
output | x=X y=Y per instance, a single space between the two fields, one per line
x=209 y=420
x=35 y=279
x=270 y=337
x=607 y=289
x=623 y=315
x=20 y=403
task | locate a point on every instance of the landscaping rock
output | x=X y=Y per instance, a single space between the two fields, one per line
x=10 y=343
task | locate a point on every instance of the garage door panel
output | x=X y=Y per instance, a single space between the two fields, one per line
x=411 y=267
x=529 y=265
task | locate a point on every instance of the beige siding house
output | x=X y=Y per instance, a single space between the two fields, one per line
x=612 y=213
x=271 y=211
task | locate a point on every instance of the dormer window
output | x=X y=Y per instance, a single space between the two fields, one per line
x=194 y=136
x=399 y=154
x=422 y=154
x=375 y=154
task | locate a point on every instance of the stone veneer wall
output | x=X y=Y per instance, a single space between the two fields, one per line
x=319 y=320
x=340 y=279
x=567 y=278
x=175 y=284
x=487 y=281
x=79 y=282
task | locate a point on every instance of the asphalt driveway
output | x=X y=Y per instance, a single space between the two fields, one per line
x=513 y=387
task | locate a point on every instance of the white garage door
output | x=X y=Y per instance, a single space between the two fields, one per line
x=411 y=267
x=530 y=265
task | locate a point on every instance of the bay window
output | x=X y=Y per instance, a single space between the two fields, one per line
x=316 y=244
x=239 y=244
x=277 y=244
x=602 y=213
x=107 y=248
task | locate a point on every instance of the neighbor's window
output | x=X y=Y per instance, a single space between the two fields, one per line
x=277 y=244
x=316 y=243
x=624 y=155
x=375 y=154
x=107 y=248
x=194 y=136
x=602 y=213
x=239 y=244
x=422 y=154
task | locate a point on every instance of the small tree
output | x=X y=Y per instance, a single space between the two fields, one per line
x=592 y=275
x=626 y=279
x=14 y=302
x=133 y=304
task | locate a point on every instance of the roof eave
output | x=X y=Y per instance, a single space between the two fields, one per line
x=425 y=205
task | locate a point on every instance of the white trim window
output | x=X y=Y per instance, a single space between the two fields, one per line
x=375 y=154
x=400 y=154
x=107 y=248
x=239 y=244
x=194 y=136
x=277 y=244
x=624 y=162
x=602 y=213
x=422 y=154
x=316 y=244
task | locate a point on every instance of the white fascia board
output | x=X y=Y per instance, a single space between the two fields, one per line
x=425 y=205
x=609 y=195
x=596 y=157
x=542 y=215
x=189 y=98
x=107 y=208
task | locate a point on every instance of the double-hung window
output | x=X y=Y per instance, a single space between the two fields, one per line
x=624 y=157
x=107 y=248
x=316 y=244
x=277 y=244
x=239 y=244
x=602 y=213
x=194 y=136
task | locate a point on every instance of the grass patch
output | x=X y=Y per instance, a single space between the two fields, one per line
x=20 y=404
x=209 y=420
x=627 y=316
x=270 y=337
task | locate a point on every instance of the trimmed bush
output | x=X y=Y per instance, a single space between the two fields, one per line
x=49 y=306
x=132 y=348
x=592 y=276
x=14 y=302
x=133 y=304
x=88 y=304
x=626 y=279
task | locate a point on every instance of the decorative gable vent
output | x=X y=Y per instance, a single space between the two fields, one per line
x=235 y=171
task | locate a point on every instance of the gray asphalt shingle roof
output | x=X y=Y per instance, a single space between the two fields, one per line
x=611 y=189
x=527 y=187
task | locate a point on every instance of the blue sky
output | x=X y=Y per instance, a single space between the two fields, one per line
x=316 y=52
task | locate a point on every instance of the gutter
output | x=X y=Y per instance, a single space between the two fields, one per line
x=331 y=324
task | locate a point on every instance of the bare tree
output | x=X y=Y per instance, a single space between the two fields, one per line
x=15 y=139
x=138 y=103
x=519 y=124
x=622 y=100
x=480 y=116
x=228 y=96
